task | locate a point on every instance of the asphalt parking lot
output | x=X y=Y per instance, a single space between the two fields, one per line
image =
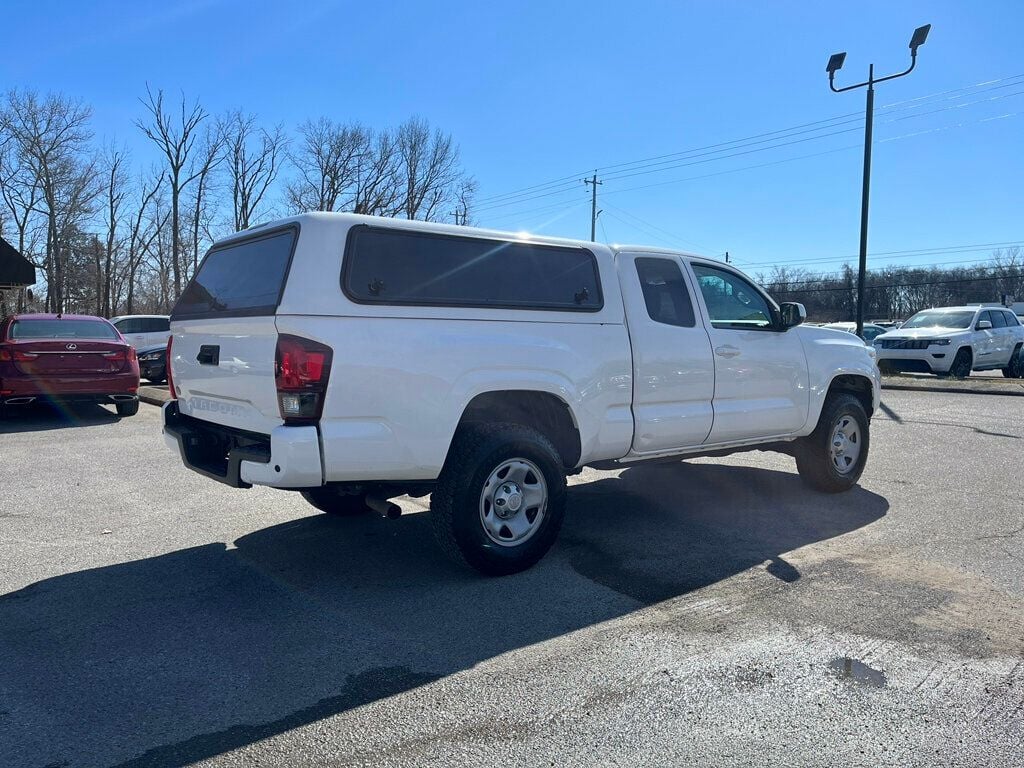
x=713 y=612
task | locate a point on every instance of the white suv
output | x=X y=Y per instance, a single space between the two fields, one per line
x=355 y=359
x=143 y=330
x=953 y=341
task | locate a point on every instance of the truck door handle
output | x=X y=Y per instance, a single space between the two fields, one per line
x=209 y=354
x=727 y=350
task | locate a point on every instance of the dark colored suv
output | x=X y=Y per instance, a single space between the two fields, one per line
x=66 y=358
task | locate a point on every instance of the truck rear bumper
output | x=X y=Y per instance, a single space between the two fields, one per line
x=289 y=457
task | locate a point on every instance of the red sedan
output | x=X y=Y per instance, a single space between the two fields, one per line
x=66 y=358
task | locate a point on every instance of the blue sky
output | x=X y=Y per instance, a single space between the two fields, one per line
x=539 y=91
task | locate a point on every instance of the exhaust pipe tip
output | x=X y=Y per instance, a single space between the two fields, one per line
x=384 y=507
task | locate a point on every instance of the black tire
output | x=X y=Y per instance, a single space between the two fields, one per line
x=457 y=509
x=127 y=407
x=1015 y=368
x=962 y=364
x=814 y=459
x=327 y=499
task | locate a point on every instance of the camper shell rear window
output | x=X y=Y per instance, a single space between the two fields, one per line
x=405 y=267
x=241 y=278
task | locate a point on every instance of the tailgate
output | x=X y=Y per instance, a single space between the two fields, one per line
x=224 y=371
x=224 y=334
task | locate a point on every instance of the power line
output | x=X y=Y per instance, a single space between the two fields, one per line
x=718 y=154
x=541 y=208
x=902 y=285
x=804 y=157
x=675 y=238
x=936 y=250
x=895 y=106
x=857 y=128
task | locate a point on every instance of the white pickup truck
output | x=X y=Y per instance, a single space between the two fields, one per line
x=356 y=359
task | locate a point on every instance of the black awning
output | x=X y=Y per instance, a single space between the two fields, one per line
x=15 y=270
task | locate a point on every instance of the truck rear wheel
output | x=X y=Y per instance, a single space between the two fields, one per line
x=500 y=499
x=329 y=500
x=832 y=457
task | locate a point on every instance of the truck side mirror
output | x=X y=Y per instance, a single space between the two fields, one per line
x=793 y=313
x=984 y=325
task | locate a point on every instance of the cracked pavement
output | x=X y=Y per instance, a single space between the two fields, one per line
x=710 y=612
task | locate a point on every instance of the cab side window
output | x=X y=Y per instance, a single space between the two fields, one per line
x=732 y=302
x=665 y=293
x=982 y=317
x=998 y=319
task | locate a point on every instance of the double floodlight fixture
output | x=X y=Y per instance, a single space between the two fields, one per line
x=836 y=61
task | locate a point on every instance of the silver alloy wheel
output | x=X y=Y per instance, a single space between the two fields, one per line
x=513 y=502
x=845 y=444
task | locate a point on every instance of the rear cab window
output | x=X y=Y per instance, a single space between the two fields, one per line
x=399 y=267
x=665 y=293
x=60 y=329
x=240 y=278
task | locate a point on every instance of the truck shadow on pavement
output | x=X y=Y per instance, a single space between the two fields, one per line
x=178 y=658
x=40 y=417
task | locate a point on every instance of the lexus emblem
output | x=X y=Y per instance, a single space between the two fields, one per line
x=71 y=346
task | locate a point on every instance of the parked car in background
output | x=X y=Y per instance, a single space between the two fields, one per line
x=143 y=330
x=66 y=358
x=870 y=330
x=954 y=341
x=153 y=363
x=482 y=367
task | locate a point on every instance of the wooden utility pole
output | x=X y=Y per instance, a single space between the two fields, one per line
x=593 y=182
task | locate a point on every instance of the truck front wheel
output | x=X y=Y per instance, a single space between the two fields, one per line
x=500 y=499
x=832 y=457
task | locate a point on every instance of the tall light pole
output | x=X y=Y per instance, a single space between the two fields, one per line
x=835 y=63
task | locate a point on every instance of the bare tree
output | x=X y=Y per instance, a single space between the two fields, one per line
x=430 y=169
x=143 y=228
x=327 y=157
x=115 y=188
x=378 y=178
x=252 y=156
x=465 y=191
x=52 y=136
x=207 y=160
x=19 y=189
x=176 y=136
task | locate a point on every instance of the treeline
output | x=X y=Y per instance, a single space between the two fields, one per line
x=898 y=292
x=112 y=237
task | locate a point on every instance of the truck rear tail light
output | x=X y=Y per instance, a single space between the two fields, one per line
x=301 y=370
x=167 y=369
